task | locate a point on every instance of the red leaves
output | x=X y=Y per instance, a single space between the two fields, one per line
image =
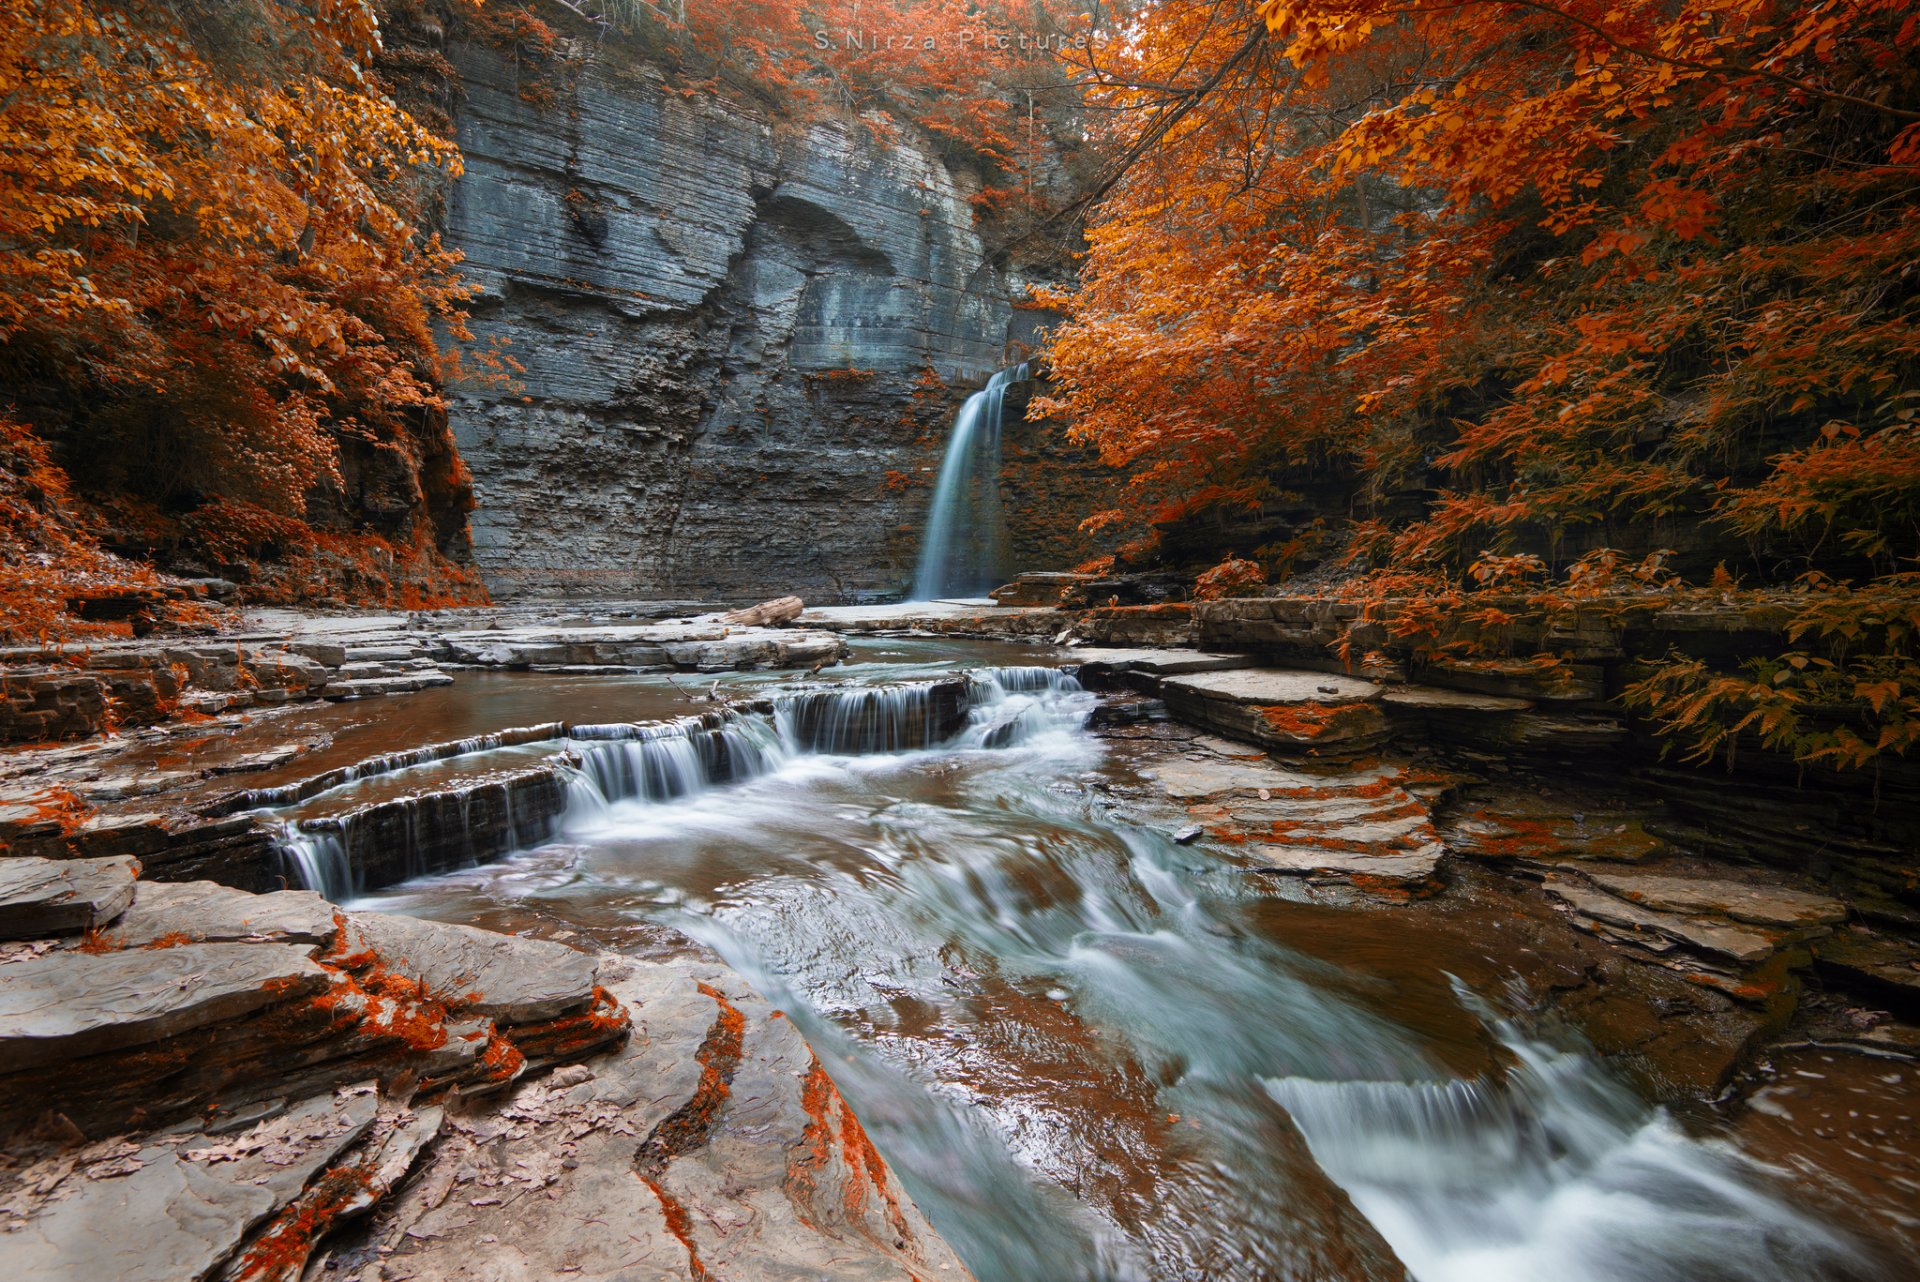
x=1540 y=267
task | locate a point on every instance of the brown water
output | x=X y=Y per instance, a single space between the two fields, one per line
x=1093 y=1054
x=485 y=702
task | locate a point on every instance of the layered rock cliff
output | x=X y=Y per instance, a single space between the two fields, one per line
x=742 y=339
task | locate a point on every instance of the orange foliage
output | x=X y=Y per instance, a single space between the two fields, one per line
x=215 y=280
x=1234 y=576
x=1560 y=268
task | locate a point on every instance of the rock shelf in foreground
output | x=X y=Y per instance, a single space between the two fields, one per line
x=1363 y=826
x=216 y=1084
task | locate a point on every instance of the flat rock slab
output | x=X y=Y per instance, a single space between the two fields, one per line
x=1520 y=678
x=1193 y=776
x=1311 y=714
x=1271 y=686
x=1395 y=869
x=1541 y=833
x=1434 y=699
x=1755 y=905
x=1364 y=825
x=1887 y=967
x=715 y=1145
x=204 y=912
x=1742 y=944
x=1160 y=663
x=42 y=897
x=67 y=1004
x=176 y=1208
x=501 y=977
x=705 y=645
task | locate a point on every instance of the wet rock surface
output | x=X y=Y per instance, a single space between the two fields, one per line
x=139 y=1022
x=173 y=1206
x=501 y=977
x=714 y=1145
x=1098 y=662
x=1297 y=713
x=696 y=647
x=67 y=1005
x=1681 y=968
x=327 y=1048
x=41 y=897
x=1363 y=826
x=198 y=912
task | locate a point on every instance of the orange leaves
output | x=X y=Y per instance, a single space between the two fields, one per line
x=1538 y=274
x=1234 y=576
x=216 y=272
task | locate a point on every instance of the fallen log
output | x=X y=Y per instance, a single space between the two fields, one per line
x=768 y=613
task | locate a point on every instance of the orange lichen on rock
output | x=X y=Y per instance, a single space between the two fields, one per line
x=281 y=1251
x=1311 y=721
x=688 y=1126
x=603 y=1023
x=502 y=1060
x=863 y=1162
x=59 y=805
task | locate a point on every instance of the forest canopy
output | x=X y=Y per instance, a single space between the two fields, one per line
x=1575 y=298
x=217 y=304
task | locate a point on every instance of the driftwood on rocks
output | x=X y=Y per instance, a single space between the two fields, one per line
x=768 y=613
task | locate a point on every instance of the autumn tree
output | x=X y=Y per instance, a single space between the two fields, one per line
x=217 y=301
x=1588 y=279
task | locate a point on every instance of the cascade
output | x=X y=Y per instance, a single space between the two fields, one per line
x=346 y=850
x=959 y=553
x=1101 y=1056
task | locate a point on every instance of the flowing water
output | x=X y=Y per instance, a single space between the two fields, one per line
x=961 y=550
x=1094 y=1054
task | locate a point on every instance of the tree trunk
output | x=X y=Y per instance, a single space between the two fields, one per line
x=780 y=610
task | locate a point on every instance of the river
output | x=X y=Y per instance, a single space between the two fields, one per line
x=1092 y=1053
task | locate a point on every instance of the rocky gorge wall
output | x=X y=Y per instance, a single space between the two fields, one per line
x=742 y=339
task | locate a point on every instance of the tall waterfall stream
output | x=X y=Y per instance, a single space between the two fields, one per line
x=1092 y=1053
x=961 y=548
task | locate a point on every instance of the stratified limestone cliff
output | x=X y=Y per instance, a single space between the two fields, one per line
x=742 y=340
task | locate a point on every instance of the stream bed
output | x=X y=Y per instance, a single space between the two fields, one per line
x=1092 y=1053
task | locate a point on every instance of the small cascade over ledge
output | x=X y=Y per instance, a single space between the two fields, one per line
x=961 y=549
x=508 y=803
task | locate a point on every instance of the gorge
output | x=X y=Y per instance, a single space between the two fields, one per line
x=1262 y=642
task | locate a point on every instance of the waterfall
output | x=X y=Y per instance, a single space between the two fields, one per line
x=880 y=719
x=958 y=553
x=315 y=861
x=346 y=850
x=1557 y=1171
